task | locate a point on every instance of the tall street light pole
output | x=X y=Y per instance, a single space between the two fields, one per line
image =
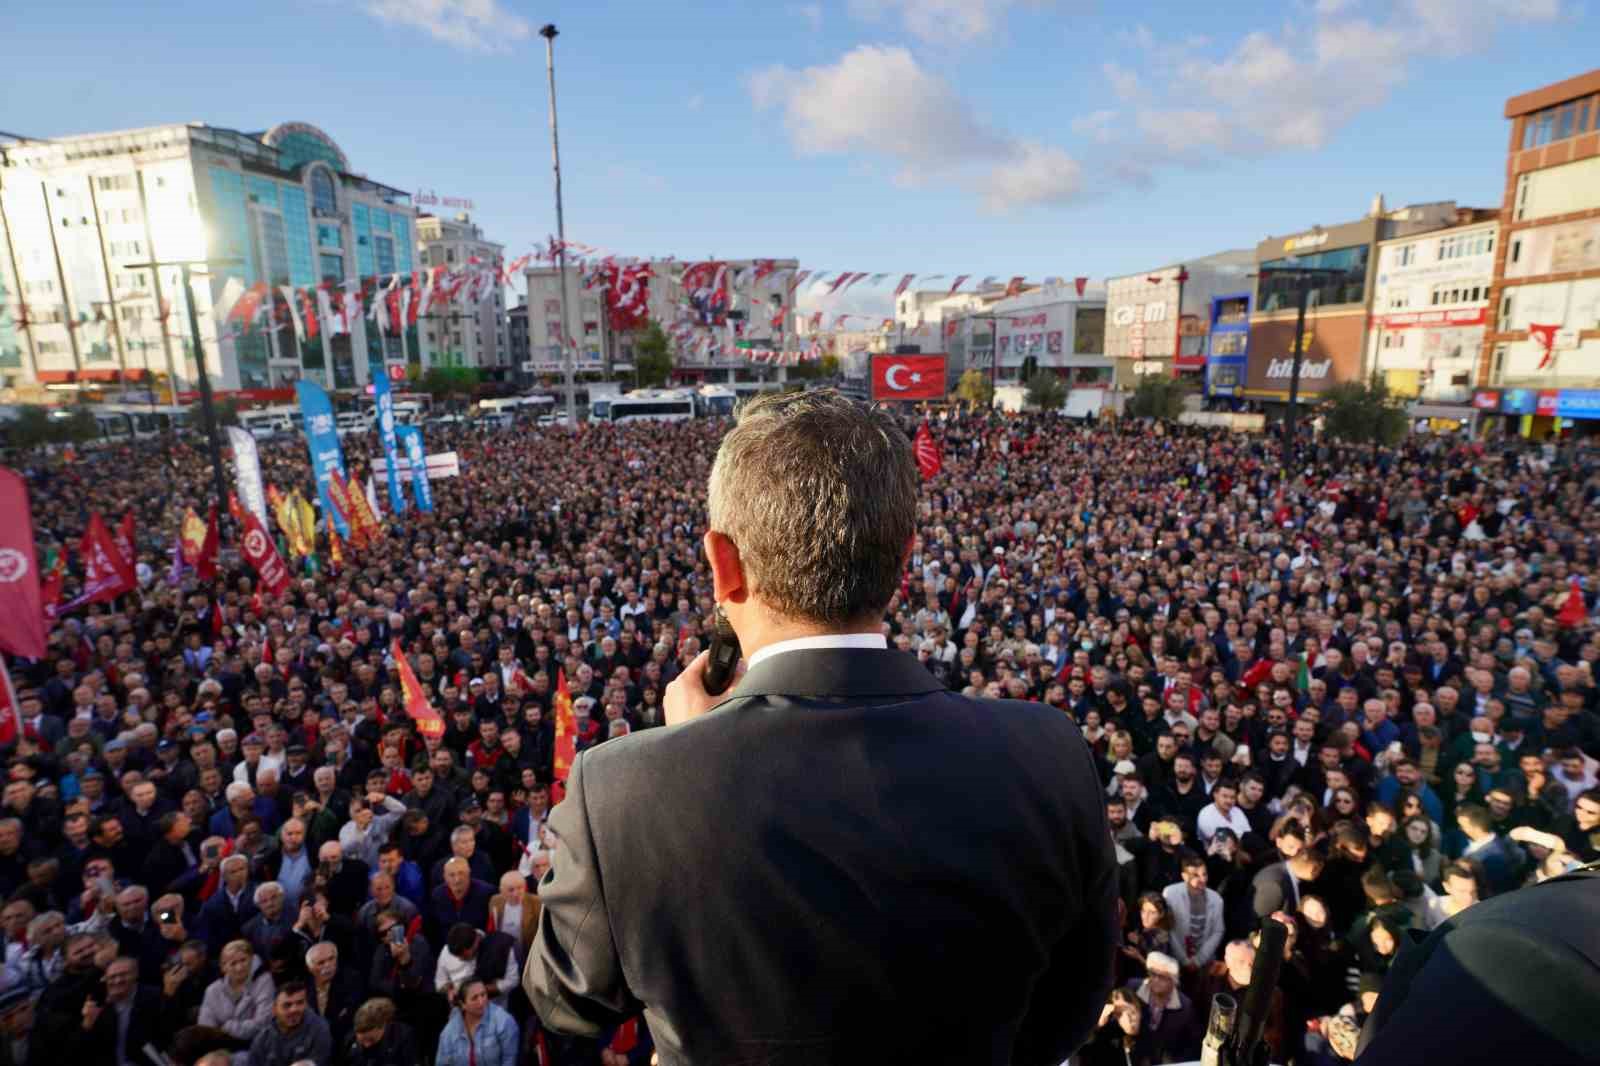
x=548 y=32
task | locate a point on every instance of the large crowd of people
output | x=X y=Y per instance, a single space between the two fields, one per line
x=1354 y=692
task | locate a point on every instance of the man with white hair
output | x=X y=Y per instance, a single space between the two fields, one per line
x=224 y=914
x=272 y=919
x=1170 y=1018
x=241 y=800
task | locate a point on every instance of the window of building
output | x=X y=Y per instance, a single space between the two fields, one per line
x=132 y=313
x=1516 y=250
x=1505 y=313
x=128 y=248
x=50 y=347
x=1555 y=123
x=324 y=198
x=39 y=288
x=274 y=249
x=332 y=267
x=449 y=255
x=1394 y=339
x=1461 y=245
x=1398 y=301
x=1405 y=255
x=1497 y=365
x=1280 y=282
x=1229 y=343
x=111 y=183
x=384 y=248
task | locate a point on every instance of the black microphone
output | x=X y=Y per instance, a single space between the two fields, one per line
x=1264 y=973
x=725 y=654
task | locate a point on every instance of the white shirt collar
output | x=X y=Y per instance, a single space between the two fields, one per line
x=868 y=641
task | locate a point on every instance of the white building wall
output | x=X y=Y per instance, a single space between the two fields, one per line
x=1429 y=310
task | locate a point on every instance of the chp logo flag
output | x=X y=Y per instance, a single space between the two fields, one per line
x=257 y=547
x=929 y=456
x=22 y=627
x=907 y=377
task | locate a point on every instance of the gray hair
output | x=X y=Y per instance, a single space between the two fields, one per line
x=265 y=891
x=819 y=493
x=237 y=789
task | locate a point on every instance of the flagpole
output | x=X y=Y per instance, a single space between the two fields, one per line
x=549 y=32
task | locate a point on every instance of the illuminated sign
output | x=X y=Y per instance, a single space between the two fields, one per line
x=1309 y=240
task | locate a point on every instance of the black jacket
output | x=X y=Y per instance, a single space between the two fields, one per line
x=842 y=862
x=1511 y=979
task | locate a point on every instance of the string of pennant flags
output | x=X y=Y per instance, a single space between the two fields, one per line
x=702 y=322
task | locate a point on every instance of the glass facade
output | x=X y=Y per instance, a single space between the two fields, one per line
x=402 y=242
x=299 y=147
x=297 y=228
x=324 y=197
x=361 y=222
x=332 y=267
x=1280 y=282
x=383 y=251
x=274 y=250
x=230 y=227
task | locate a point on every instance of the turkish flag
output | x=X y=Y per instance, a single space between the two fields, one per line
x=22 y=628
x=1573 y=609
x=907 y=377
x=257 y=547
x=929 y=456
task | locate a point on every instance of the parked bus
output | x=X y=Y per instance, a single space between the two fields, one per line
x=655 y=405
x=136 y=421
x=716 y=401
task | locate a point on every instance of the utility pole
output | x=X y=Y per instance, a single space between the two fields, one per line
x=549 y=32
x=1302 y=294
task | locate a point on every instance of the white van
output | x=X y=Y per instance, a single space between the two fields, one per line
x=347 y=422
x=265 y=423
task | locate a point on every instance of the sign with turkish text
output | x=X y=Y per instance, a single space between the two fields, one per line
x=322 y=439
x=257 y=548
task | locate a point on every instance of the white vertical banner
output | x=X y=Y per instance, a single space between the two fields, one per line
x=247 y=472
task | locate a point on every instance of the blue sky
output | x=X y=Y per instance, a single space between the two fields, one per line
x=1035 y=137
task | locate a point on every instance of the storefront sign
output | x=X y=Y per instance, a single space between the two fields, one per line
x=1517 y=401
x=1548 y=402
x=1578 y=403
x=1486 y=400
x=1331 y=354
x=1306 y=241
x=1464 y=316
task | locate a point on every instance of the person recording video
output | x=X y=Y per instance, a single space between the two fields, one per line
x=836 y=860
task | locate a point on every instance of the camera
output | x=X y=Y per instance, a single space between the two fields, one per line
x=397 y=935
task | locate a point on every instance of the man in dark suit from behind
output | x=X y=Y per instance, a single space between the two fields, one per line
x=838 y=860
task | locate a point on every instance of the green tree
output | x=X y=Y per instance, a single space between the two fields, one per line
x=974 y=388
x=35 y=425
x=652 y=357
x=443 y=383
x=1363 y=413
x=1157 y=396
x=1046 y=391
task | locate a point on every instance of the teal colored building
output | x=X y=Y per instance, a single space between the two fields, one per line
x=80 y=217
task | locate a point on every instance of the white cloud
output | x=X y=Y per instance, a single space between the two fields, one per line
x=812 y=13
x=1038 y=175
x=1124 y=82
x=942 y=21
x=474 y=25
x=1297 y=87
x=879 y=101
x=1096 y=125
x=876 y=100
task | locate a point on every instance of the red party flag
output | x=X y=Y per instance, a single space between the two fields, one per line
x=566 y=737
x=10 y=719
x=22 y=628
x=257 y=547
x=429 y=722
x=929 y=456
x=1573 y=611
x=107 y=574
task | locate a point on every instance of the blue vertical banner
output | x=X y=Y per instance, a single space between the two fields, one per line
x=417 y=459
x=383 y=399
x=322 y=438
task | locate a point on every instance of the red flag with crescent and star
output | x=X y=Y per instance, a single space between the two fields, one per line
x=429 y=721
x=566 y=749
x=907 y=377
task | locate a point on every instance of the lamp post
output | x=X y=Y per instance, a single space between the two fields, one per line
x=1305 y=279
x=549 y=32
x=207 y=402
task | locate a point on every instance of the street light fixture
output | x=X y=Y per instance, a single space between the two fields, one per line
x=549 y=33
